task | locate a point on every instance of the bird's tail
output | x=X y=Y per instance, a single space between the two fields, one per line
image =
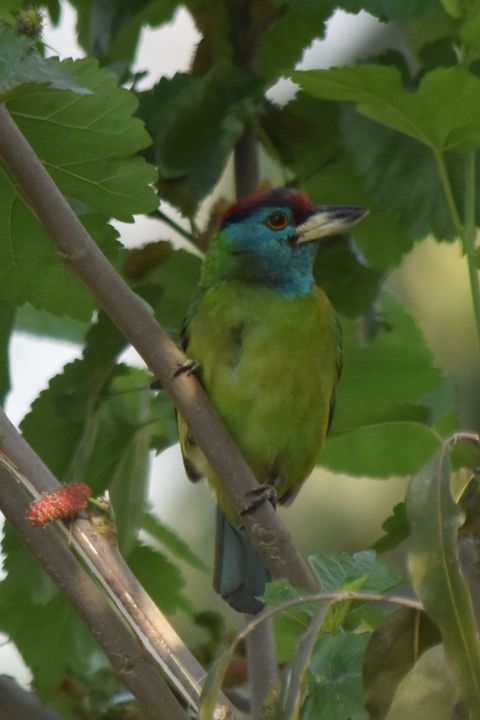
x=240 y=574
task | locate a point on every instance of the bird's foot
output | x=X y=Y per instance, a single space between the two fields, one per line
x=187 y=367
x=258 y=496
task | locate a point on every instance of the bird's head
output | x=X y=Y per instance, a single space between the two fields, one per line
x=270 y=238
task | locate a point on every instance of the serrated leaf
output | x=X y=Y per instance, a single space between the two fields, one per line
x=379 y=94
x=396 y=530
x=118 y=458
x=87 y=150
x=29 y=268
x=434 y=567
x=22 y=65
x=305 y=137
x=288 y=704
x=61 y=420
x=350 y=284
x=390 y=9
x=402 y=175
x=293 y=29
x=160 y=578
x=381 y=237
x=170 y=540
x=44 y=324
x=304 y=134
x=194 y=122
x=41 y=623
x=386 y=380
x=335 y=572
x=87 y=141
x=384 y=9
x=427 y=691
x=380 y=450
x=170 y=287
x=402 y=637
x=338 y=692
x=114 y=27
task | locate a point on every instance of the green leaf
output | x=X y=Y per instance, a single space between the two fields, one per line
x=44 y=324
x=195 y=121
x=349 y=282
x=22 y=67
x=401 y=175
x=453 y=7
x=381 y=237
x=338 y=692
x=170 y=288
x=41 y=623
x=379 y=94
x=29 y=268
x=61 y=423
x=390 y=9
x=7 y=320
x=114 y=28
x=396 y=530
x=171 y=541
x=87 y=150
x=294 y=28
x=386 y=380
x=304 y=136
x=427 y=691
x=380 y=450
x=294 y=674
x=385 y=10
x=160 y=578
x=87 y=141
x=402 y=637
x=337 y=571
x=117 y=451
x=434 y=566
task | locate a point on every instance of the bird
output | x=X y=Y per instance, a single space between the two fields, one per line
x=266 y=345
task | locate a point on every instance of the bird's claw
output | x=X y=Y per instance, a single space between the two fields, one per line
x=187 y=367
x=258 y=496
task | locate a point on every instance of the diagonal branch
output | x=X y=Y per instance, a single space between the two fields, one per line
x=133 y=666
x=155 y=641
x=78 y=251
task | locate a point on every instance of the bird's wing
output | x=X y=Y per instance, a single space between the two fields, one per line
x=188 y=445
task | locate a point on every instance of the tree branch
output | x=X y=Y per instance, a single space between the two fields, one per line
x=78 y=251
x=156 y=640
x=135 y=668
x=19 y=704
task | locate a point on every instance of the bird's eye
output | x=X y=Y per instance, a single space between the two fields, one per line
x=277 y=221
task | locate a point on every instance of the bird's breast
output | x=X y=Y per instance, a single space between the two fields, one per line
x=269 y=364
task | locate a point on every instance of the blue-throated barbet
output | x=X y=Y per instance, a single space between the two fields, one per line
x=269 y=351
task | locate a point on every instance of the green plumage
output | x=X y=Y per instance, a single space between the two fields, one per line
x=269 y=364
x=269 y=351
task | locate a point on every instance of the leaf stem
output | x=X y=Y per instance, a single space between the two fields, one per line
x=448 y=192
x=469 y=234
x=160 y=215
x=466 y=231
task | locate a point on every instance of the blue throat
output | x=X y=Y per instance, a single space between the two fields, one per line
x=251 y=252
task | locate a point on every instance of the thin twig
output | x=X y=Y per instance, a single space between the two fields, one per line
x=469 y=236
x=332 y=598
x=160 y=215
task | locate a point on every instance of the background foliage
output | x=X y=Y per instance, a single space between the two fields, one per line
x=396 y=133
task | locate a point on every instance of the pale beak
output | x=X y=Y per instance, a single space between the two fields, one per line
x=327 y=220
